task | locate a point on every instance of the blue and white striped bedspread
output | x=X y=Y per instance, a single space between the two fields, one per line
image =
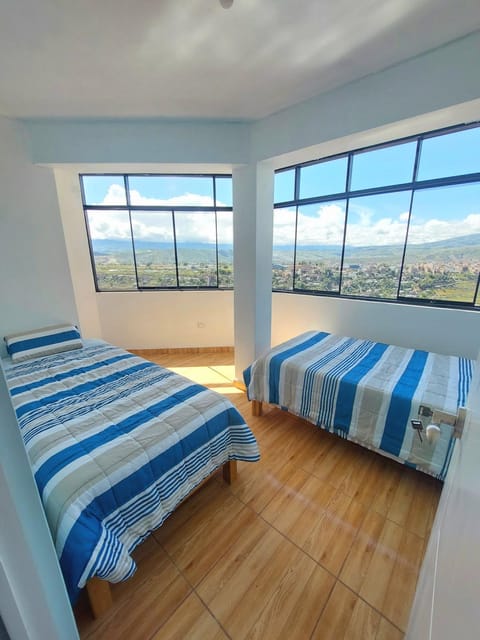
x=365 y=391
x=115 y=444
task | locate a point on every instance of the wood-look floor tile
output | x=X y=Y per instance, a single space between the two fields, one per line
x=149 y=606
x=221 y=506
x=387 y=486
x=357 y=565
x=400 y=508
x=401 y=589
x=319 y=519
x=330 y=542
x=223 y=572
x=293 y=609
x=151 y=561
x=423 y=506
x=191 y=621
x=185 y=511
x=196 y=555
x=257 y=484
x=302 y=493
x=380 y=570
x=346 y=617
x=330 y=464
x=383 y=566
x=365 y=481
x=386 y=631
x=248 y=590
x=354 y=512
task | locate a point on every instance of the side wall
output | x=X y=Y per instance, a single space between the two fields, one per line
x=35 y=286
x=448 y=331
x=137 y=320
x=423 y=93
x=448 y=590
x=35 y=290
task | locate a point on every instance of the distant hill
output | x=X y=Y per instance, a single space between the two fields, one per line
x=461 y=248
x=161 y=252
x=112 y=246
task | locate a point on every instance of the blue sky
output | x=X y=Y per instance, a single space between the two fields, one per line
x=447 y=155
x=98 y=189
x=437 y=214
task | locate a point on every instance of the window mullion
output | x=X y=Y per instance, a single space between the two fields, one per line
x=295 y=250
x=175 y=247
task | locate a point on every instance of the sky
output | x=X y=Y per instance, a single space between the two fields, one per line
x=436 y=214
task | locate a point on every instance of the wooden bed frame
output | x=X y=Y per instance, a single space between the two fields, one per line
x=98 y=590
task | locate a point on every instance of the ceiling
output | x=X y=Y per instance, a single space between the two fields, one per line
x=194 y=59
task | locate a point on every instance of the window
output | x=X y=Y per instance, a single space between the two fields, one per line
x=397 y=222
x=159 y=231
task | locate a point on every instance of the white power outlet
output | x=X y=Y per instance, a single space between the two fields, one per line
x=200 y=325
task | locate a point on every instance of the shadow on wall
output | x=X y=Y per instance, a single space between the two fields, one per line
x=3 y=632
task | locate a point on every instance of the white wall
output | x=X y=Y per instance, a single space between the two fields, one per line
x=139 y=141
x=35 y=285
x=449 y=331
x=152 y=319
x=141 y=319
x=447 y=599
x=35 y=289
x=437 y=80
x=433 y=90
x=33 y=599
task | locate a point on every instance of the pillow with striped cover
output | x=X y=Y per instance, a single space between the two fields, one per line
x=43 y=342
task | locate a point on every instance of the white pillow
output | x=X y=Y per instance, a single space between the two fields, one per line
x=43 y=342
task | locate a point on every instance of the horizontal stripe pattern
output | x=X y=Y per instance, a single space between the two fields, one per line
x=43 y=342
x=115 y=443
x=365 y=391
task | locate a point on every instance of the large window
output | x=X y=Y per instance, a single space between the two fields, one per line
x=159 y=231
x=397 y=222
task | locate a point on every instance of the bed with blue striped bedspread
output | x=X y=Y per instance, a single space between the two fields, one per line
x=365 y=391
x=116 y=443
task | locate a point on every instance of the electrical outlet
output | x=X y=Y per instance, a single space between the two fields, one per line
x=200 y=325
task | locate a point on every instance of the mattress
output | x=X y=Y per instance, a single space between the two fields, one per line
x=115 y=444
x=365 y=391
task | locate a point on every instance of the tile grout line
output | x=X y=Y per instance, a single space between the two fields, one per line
x=194 y=590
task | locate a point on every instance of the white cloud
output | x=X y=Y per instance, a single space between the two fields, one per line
x=325 y=226
x=116 y=195
x=157 y=226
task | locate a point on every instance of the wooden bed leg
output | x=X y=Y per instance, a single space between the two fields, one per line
x=256 y=408
x=99 y=596
x=230 y=471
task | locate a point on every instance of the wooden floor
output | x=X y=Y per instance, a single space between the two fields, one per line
x=320 y=539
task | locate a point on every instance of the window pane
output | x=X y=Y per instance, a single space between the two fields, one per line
x=283 y=248
x=112 y=249
x=323 y=178
x=443 y=247
x=107 y=190
x=319 y=246
x=374 y=242
x=225 y=249
x=452 y=154
x=154 y=250
x=223 y=189
x=384 y=166
x=196 y=249
x=171 y=190
x=284 y=185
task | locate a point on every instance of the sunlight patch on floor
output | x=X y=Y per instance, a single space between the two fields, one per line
x=202 y=375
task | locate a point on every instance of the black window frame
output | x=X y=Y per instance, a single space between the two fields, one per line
x=129 y=208
x=412 y=186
